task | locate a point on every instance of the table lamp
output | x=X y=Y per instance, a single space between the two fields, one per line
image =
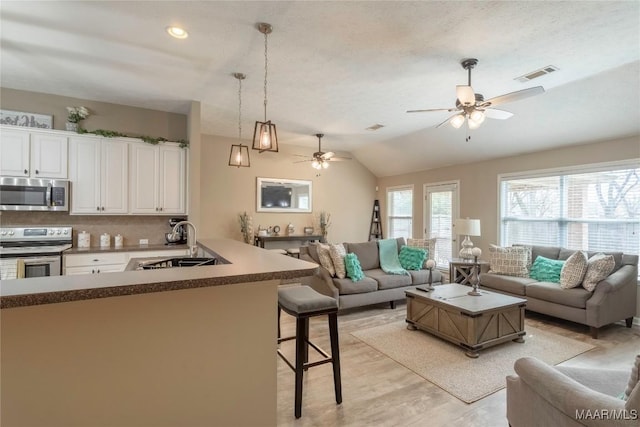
x=467 y=227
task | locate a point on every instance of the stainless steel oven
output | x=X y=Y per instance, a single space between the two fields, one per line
x=33 y=251
x=33 y=194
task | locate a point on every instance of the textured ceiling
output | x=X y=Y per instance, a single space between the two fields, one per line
x=340 y=67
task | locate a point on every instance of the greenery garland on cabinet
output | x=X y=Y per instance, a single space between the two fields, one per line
x=148 y=139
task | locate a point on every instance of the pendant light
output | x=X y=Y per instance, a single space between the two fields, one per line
x=239 y=155
x=265 y=137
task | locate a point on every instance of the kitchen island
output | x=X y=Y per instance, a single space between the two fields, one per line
x=172 y=347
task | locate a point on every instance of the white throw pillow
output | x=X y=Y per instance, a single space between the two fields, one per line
x=510 y=261
x=337 y=253
x=573 y=270
x=325 y=258
x=599 y=267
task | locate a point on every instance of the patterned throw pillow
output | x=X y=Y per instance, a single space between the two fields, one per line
x=354 y=270
x=429 y=245
x=337 y=253
x=546 y=270
x=510 y=261
x=599 y=267
x=412 y=258
x=573 y=270
x=325 y=259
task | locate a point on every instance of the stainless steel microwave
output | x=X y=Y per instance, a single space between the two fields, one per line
x=33 y=194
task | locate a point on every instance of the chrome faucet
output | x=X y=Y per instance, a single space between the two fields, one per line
x=192 y=239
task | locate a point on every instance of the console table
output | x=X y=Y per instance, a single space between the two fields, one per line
x=261 y=240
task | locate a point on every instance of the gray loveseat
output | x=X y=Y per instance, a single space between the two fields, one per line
x=613 y=299
x=376 y=287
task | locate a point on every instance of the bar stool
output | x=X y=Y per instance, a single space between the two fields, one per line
x=302 y=302
x=293 y=252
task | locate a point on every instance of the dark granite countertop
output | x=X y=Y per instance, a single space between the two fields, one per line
x=248 y=263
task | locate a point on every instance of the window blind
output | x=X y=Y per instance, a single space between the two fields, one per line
x=595 y=211
x=400 y=212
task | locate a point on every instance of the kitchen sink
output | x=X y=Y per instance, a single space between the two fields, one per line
x=177 y=262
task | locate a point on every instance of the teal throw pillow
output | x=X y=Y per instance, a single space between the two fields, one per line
x=546 y=270
x=412 y=258
x=354 y=270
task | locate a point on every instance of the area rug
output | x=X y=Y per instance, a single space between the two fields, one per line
x=446 y=365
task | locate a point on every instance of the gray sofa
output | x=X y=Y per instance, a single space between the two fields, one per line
x=613 y=299
x=376 y=287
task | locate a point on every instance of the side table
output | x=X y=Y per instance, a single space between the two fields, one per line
x=460 y=270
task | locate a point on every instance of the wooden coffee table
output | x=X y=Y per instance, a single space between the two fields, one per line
x=472 y=322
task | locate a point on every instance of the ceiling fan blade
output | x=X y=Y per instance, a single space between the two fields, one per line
x=429 y=110
x=328 y=155
x=465 y=95
x=494 y=113
x=339 y=159
x=514 y=96
x=303 y=161
x=300 y=155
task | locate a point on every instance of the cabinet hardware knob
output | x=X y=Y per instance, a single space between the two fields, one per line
x=97 y=208
x=96 y=260
x=26 y=172
x=37 y=171
x=93 y=271
x=98 y=270
x=102 y=208
x=156 y=209
x=160 y=209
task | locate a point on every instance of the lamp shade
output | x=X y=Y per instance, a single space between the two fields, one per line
x=467 y=227
x=239 y=156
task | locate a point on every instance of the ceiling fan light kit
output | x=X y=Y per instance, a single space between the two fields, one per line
x=320 y=159
x=239 y=155
x=265 y=137
x=472 y=108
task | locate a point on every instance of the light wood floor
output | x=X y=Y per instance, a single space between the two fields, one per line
x=377 y=391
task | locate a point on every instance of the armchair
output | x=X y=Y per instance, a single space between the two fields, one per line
x=543 y=395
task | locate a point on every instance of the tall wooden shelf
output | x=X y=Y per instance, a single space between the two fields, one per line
x=375 y=231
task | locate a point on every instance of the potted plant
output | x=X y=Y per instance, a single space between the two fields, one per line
x=246 y=227
x=74 y=115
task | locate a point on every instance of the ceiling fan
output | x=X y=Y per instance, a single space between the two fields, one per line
x=321 y=159
x=473 y=107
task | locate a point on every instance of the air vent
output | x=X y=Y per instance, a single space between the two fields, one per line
x=537 y=73
x=375 y=127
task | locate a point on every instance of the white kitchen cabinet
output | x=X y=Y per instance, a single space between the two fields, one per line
x=98 y=169
x=95 y=263
x=158 y=179
x=109 y=262
x=30 y=154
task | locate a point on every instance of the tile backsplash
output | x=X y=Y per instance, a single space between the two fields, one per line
x=131 y=227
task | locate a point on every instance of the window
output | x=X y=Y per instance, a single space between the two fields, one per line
x=400 y=211
x=594 y=208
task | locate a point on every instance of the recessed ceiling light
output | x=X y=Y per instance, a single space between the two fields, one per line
x=177 y=32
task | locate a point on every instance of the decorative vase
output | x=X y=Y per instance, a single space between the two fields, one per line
x=71 y=127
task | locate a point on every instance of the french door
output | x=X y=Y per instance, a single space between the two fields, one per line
x=441 y=208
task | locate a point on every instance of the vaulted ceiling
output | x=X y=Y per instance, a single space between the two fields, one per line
x=341 y=67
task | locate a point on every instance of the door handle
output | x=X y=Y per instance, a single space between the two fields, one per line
x=48 y=194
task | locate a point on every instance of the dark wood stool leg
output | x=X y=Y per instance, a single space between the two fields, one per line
x=306 y=340
x=301 y=345
x=279 y=311
x=335 y=354
x=629 y=321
